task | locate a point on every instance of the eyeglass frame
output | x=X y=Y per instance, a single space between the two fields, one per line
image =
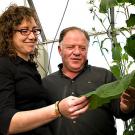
x=29 y=31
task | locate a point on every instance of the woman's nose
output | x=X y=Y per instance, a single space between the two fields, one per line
x=32 y=35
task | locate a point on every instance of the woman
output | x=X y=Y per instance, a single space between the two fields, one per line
x=23 y=107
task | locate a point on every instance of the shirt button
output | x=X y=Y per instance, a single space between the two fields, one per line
x=73 y=93
x=89 y=82
x=74 y=122
x=72 y=81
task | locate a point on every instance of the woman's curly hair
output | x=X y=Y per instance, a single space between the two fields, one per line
x=9 y=20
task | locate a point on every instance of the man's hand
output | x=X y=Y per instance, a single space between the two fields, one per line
x=127 y=100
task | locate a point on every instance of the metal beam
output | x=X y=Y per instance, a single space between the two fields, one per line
x=44 y=69
x=31 y=4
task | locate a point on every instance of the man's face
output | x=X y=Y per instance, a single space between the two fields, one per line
x=73 y=50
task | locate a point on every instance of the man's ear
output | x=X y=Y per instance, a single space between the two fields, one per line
x=59 y=49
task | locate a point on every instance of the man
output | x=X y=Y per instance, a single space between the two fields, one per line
x=76 y=77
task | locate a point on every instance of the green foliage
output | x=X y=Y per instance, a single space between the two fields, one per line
x=117 y=52
x=116 y=56
x=130 y=46
x=131 y=125
x=107 y=92
x=121 y=55
x=106 y=4
x=116 y=71
x=128 y=133
x=122 y=1
x=131 y=1
x=131 y=21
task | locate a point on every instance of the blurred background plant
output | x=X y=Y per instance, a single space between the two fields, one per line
x=120 y=37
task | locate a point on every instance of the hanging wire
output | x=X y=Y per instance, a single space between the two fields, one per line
x=25 y=3
x=57 y=33
x=43 y=37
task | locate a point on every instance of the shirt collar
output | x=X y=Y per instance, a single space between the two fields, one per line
x=60 y=66
x=18 y=60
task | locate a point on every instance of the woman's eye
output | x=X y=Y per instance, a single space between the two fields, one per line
x=24 y=30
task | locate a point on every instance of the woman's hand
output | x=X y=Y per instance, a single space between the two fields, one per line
x=71 y=107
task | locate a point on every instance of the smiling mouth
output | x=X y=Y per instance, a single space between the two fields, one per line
x=76 y=59
x=31 y=43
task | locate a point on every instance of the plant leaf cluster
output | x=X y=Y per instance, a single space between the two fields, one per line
x=107 y=92
x=120 y=56
x=107 y=4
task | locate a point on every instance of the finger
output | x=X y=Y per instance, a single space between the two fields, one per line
x=124 y=101
x=127 y=102
x=131 y=91
x=80 y=111
x=131 y=88
x=79 y=106
x=128 y=96
x=70 y=100
x=124 y=107
x=125 y=95
x=80 y=100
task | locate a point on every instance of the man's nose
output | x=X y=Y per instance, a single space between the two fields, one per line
x=76 y=50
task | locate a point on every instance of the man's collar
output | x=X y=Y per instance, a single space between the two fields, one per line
x=60 y=66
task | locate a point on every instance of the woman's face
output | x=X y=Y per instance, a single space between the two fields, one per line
x=25 y=38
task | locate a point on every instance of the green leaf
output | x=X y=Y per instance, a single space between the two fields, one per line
x=107 y=92
x=116 y=71
x=117 y=52
x=125 y=57
x=130 y=46
x=122 y=1
x=106 y=4
x=131 y=21
x=131 y=1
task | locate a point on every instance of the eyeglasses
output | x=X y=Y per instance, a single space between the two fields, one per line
x=26 y=32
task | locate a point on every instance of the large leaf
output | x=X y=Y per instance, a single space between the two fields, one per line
x=107 y=92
